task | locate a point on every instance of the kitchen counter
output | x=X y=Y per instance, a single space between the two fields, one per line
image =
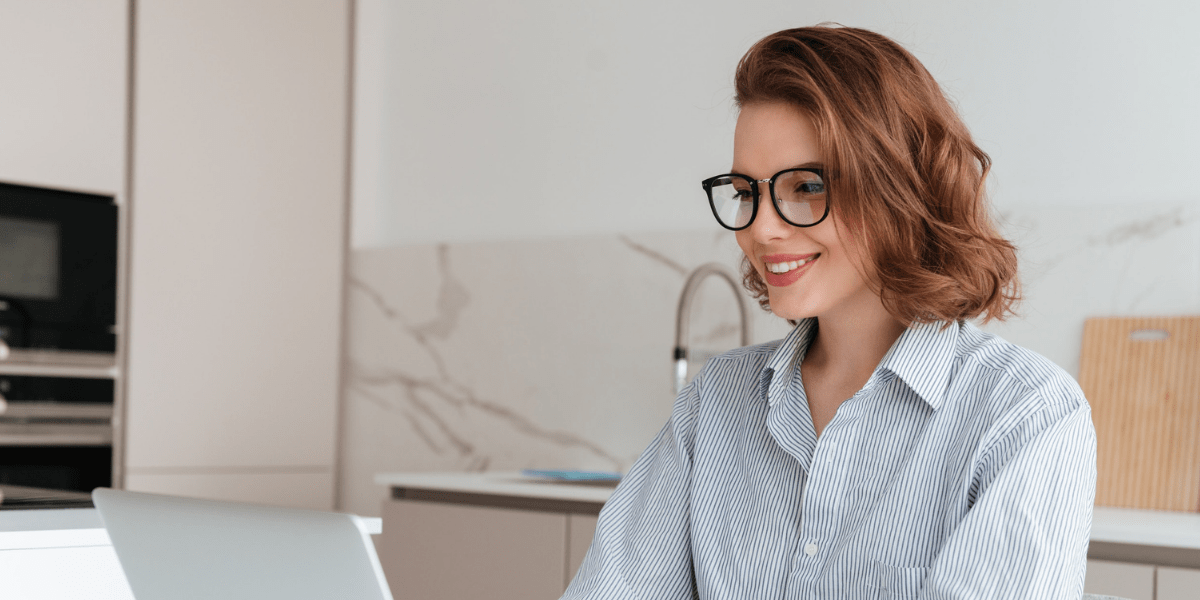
x=499 y=489
x=1155 y=537
x=1118 y=534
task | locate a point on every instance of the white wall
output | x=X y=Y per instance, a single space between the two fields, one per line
x=478 y=120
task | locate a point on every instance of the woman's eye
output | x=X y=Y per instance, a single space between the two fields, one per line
x=743 y=195
x=810 y=188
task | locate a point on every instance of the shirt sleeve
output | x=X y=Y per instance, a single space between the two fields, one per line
x=641 y=549
x=1026 y=535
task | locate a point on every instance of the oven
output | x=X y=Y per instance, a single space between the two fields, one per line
x=58 y=269
x=58 y=282
x=56 y=432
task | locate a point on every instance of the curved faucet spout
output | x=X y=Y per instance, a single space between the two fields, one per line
x=685 y=308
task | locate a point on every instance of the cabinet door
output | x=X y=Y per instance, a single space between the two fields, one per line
x=581 y=530
x=434 y=551
x=1125 y=580
x=1178 y=584
x=63 y=65
x=238 y=206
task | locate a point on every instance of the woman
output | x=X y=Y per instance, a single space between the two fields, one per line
x=887 y=448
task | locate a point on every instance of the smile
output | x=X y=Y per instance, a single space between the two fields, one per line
x=784 y=267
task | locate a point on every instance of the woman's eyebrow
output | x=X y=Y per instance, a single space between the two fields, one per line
x=806 y=165
x=810 y=165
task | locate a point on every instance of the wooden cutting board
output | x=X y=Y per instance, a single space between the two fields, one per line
x=1142 y=378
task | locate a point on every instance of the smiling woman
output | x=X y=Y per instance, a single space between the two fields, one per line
x=886 y=448
x=909 y=179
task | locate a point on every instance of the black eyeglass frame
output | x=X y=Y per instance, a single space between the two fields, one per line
x=707 y=184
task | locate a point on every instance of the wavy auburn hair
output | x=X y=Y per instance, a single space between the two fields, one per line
x=902 y=171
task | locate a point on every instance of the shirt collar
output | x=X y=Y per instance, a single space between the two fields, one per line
x=922 y=357
x=781 y=365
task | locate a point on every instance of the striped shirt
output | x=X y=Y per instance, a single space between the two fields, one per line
x=964 y=468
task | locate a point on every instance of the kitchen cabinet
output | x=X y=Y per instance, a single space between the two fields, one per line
x=581 y=529
x=452 y=551
x=500 y=536
x=1144 y=554
x=1174 y=583
x=237 y=245
x=221 y=127
x=1141 y=582
x=63 y=106
x=1124 y=580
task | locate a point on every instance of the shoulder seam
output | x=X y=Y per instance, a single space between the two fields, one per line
x=1038 y=390
x=764 y=348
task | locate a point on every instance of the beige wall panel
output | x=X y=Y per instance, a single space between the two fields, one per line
x=238 y=232
x=62 y=97
x=299 y=490
x=1135 y=582
x=1178 y=584
x=582 y=529
x=436 y=551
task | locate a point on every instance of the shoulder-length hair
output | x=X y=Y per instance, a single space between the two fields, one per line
x=903 y=174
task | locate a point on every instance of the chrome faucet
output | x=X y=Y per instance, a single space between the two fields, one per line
x=685 y=308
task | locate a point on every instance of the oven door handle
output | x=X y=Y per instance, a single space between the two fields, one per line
x=39 y=434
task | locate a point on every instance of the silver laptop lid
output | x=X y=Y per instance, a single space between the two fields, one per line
x=183 y=549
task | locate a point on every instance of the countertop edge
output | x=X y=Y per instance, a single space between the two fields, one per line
x=497 y=484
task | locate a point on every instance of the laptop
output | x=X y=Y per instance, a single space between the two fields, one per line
x=185 y=548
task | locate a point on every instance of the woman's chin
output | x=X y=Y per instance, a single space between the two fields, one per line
x=790 y=313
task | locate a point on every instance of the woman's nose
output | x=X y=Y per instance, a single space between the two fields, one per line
x=767 y=224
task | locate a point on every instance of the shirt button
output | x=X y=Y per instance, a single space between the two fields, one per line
x=810 y=549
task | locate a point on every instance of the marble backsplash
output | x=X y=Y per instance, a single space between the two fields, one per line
x=556 y=353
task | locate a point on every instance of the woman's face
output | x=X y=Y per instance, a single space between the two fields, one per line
x=771 y=137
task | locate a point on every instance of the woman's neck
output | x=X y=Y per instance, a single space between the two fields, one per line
x=849 y=343
x=852 y=339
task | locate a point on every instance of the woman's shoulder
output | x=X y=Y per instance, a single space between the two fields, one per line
x=752 y=353
x=735 y=371
x=1045 y=381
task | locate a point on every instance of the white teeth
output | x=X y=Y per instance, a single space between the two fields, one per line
x=788 y=266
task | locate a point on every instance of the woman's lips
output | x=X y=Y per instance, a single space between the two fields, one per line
x=801 y=263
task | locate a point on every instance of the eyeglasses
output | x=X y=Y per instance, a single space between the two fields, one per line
x=799 y=196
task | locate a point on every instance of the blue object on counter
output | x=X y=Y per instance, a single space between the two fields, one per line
x=568 y=475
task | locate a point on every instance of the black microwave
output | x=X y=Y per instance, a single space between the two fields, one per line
x=58 y=269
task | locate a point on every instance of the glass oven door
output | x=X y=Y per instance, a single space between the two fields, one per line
x=58 y=269
x=56 y=432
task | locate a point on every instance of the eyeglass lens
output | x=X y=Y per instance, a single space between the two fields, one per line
x=799 y=196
